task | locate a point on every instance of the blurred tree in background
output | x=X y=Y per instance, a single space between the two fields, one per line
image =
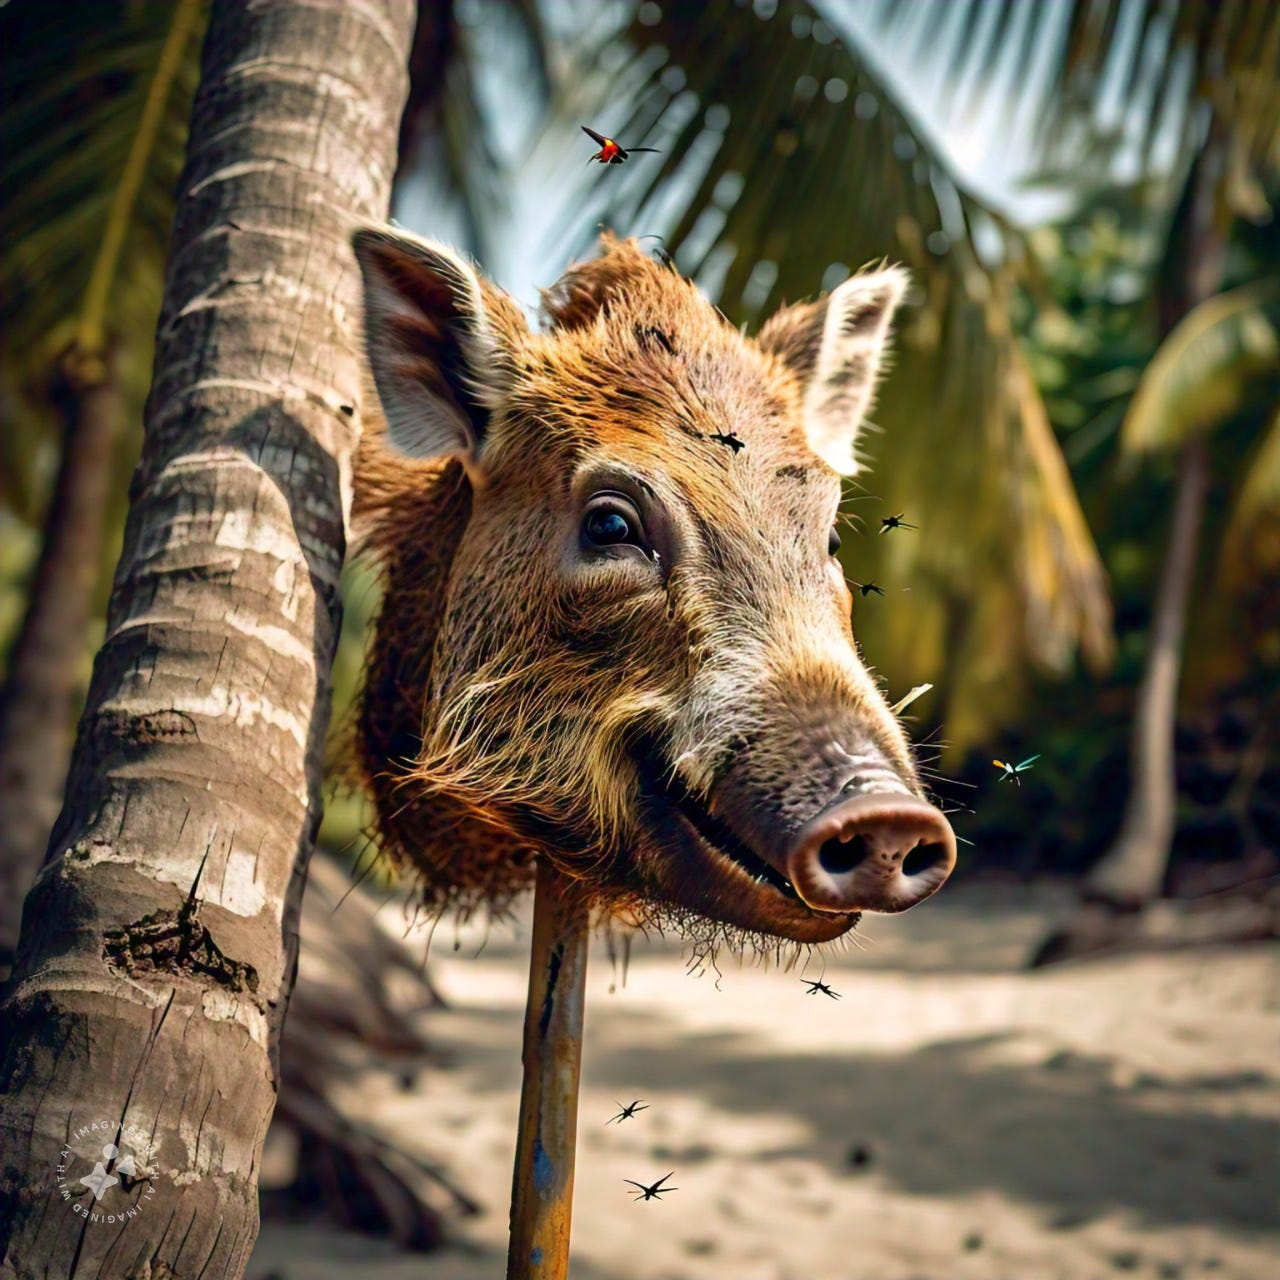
x=92 y=146
x=1090 y=355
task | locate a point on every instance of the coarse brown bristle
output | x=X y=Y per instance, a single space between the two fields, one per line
x=623 y=270
x=410 y=516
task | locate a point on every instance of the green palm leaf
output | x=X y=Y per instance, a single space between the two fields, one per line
x=1206 y=370
x=1163 y=61
x=67 y=156
x=92 y=137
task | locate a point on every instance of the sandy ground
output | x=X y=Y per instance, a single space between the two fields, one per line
x=950 y=1118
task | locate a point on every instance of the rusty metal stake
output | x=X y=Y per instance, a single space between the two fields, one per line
x=542 y=1189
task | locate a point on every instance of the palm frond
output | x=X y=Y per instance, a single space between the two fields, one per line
x=1207 y=367
x=1148 y=68
x=77 y=141
x=448 y=127
x=787 y=161
x=1251 y=544
x=68 y=128
x=126 y=196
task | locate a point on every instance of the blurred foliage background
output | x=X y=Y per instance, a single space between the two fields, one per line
x=1052 y=369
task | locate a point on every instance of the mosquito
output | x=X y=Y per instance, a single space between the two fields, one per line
x=610 y=152
x=815 y=987
x=895 y=522
x=721 y=437
x=626 y=1112
x=1012 y=770
x=656 y=1191
x=868 y=587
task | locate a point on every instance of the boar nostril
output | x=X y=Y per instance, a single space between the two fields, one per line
x=924 y=857
x=838 y=856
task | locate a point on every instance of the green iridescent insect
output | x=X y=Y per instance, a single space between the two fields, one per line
x=1012 y=770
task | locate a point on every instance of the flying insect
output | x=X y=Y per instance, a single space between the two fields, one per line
x=895 y=522
x=610 y=152
x=1012 y=770
x=816 y=987
x=625 y=1113
x=654 y=1192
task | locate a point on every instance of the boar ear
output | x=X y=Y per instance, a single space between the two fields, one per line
x=835 y=346
x=440 y=344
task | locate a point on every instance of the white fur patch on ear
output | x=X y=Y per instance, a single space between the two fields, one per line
x=854 y=338
x=436 y=360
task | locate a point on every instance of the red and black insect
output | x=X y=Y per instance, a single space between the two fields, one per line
x=610 y=152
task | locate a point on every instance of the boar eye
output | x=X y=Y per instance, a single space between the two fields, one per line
x=833 y=541
x=612 y=521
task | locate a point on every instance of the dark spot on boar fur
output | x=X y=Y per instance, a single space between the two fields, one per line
x=651 y=335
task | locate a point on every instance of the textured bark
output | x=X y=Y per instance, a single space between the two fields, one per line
x=37 y=706
x=159 y=942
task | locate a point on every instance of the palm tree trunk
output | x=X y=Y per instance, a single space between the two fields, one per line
x=160 y=940
x=37 y=704
x=1132 y=871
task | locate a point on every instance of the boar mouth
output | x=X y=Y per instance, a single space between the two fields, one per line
x=718 y=835
x=665 y=782
x=697 y=862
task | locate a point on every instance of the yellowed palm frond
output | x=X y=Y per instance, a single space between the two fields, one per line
x=1003 y=573
x=1206 y=369
x=1251 y=545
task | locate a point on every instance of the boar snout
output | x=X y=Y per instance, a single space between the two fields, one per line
x=879 y=852
x=838 y=842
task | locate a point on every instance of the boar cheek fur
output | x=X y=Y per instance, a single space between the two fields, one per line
x=409 y=517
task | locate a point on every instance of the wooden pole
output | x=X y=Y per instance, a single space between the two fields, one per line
x=542 y=1188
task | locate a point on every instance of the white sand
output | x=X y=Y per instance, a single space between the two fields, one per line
x=1113 y=1117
